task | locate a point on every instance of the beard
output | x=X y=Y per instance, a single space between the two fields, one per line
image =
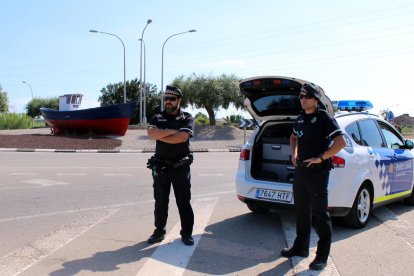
x=170 y=108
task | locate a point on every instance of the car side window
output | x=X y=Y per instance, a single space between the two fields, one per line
x=392 y=140
x=370 y=135
x=353 y=131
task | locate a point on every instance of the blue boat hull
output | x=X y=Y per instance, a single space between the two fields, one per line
x=110 y=120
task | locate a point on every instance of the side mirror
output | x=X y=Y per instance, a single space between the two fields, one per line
x=409 y=144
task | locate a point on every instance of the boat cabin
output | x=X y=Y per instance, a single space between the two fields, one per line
x=70 y=102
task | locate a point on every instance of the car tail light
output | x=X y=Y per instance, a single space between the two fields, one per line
x=241 y=198
x=338 y=162
x=245 y=154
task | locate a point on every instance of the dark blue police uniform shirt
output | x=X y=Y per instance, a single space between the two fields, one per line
x=314 y=133
x=182 y=122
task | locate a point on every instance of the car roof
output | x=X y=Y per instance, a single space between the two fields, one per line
x=346 y=117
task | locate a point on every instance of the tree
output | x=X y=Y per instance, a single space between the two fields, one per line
x=113 y=94
x=210 y=93
x=4 y=101
x=33 y=107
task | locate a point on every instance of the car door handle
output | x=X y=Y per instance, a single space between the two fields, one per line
x=276 y=147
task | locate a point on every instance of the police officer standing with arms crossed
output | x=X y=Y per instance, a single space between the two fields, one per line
x=315 y=139
x=172 y=129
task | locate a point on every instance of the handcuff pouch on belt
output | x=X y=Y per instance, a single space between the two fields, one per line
x=160 y=166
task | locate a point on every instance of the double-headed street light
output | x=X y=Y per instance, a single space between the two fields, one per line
x=142 y=115
x=162 y=65
x=123 y=45
x=31 y=89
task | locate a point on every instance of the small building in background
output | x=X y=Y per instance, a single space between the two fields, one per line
x=404 y=120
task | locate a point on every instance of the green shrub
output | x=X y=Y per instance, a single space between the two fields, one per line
x=201 y=119
x=233 y=120
x=408 y=130
x=15 y=121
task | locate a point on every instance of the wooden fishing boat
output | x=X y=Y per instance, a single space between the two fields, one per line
x=107 y=120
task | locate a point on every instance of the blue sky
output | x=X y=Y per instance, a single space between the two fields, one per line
x=353 y=49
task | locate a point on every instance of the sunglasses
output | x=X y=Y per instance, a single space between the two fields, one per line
x=170 y=99
x=301 y=96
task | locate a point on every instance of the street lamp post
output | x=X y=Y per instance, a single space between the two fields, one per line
x=123 y=45
x=144 y=100
x=31 y=89
x=162 y=65
x=141 y=96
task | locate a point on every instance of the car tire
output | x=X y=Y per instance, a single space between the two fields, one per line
x=257 y=209
x=361 y=209
x=410 y=200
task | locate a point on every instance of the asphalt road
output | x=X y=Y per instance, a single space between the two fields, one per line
x=86 y=213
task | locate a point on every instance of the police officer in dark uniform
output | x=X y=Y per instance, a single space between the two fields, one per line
x=315 y=139
x=172 y=129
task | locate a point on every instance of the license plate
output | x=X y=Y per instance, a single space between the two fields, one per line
x=274 y=195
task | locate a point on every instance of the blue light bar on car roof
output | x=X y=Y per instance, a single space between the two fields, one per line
x=354 y=105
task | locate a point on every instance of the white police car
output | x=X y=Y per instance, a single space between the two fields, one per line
x=375 y=167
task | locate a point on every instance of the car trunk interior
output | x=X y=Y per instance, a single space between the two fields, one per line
x=271 y=153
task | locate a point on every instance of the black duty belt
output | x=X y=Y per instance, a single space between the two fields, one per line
x=318 y=166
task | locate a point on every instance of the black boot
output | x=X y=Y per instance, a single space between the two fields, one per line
x=318 y=264
x=156 y=237
x=187 y=240
x=289 y=253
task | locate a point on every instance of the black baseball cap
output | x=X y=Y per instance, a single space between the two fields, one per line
x=309 y=89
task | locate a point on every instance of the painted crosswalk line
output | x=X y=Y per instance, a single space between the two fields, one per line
x=28 y=255
x=171 y=256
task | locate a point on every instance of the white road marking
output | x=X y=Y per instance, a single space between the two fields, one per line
x=71 y=174
x=118 y=174
x=44 y=182
x=402 y=228
x=214 y=194
x=145 y=202
x=172 y=256
x=26 y=256
x=72 y=168
x=9 y=183
x=23 y=174
x=301 y=265
x=45 y=150
x=75 y=211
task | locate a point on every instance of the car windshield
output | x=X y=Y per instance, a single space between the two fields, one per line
x=277 y=105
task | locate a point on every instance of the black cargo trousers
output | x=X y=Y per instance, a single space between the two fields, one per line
x=310 y=191
x=180 y=179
